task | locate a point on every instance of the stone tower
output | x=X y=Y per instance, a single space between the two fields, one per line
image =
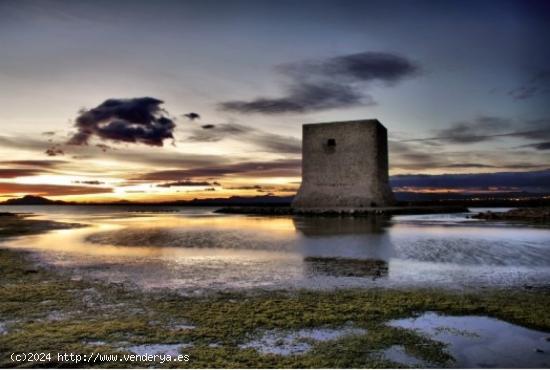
x=344 y=166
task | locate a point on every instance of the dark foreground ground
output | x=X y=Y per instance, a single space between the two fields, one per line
x=46 y=311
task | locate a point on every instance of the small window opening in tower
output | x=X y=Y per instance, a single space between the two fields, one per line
x=331 y=142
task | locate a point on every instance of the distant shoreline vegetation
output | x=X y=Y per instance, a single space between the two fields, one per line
x=520 y=199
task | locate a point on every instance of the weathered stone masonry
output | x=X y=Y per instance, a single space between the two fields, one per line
x=344 y=165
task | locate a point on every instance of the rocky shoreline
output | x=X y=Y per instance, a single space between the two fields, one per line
x=540 y=214
x=357 y=212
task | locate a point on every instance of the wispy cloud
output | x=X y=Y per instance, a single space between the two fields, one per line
x=266 y=141
x=488 y=128
x=51 y=190
x=182 y=183
x=11 y=173
x=528 y=181
x=337 y=82
x=273 y=168
x=536 y=85
x=34 y=163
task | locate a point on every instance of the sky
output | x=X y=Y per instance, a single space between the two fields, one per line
x=163 y=100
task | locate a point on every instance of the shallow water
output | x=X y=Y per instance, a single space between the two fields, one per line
x=398 y=354
x=194 y=249
x=157 y=349
x=286 y=343
x=477 y=341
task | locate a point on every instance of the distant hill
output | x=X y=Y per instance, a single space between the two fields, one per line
x=510 y=199
x=32 y=200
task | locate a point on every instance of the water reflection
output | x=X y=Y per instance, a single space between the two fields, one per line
x=197 y=249
x=344 y=246
x=331 y=266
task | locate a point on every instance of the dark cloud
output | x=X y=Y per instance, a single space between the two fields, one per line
x=89 y=182
x=207 y=189
x=536 y=129
x=469 y=165
x=526 y=181
x=35 y=163
x=542 y=146
x=538 y=84
x=11 y=173
x=303 y=98
x=331 y=83
x=192 y=116
x=473 y=131
x=366 y=66
x=103 y=147
x=54 y=151
x=51 y=190
x=184 y=183
x=275 y=168
x=246 y=187
x=213 y=133
x=264 y=140
x=488 y=128
x=137 y=120
x=419 y=156
x=264 y=188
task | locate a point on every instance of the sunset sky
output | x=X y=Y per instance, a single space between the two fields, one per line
x=162 y=100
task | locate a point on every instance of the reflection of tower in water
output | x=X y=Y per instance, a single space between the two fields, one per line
x=345 y=246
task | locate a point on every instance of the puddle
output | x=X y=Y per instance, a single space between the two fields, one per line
x=158 y=349
x=286 y=343
x=184 y=327
x=399 y=354
x=3 y=329
x=477 y=341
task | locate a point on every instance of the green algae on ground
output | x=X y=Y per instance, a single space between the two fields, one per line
x=46 y=311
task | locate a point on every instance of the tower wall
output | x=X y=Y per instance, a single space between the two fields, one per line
x=344 y=165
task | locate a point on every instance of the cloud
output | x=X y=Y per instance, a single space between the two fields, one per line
x=420 y=156
x=201 y=190
x=50 y=190
x=137 y=120
x=538 y=84
x=54 y=151
x=542 y=146
x=35 y=163
x=184 y=183
x=331 y=83
x=257 y=188
x=89 y=182
x=286 y=167
x=303 y=98
x=264 y=188
x=469 y=165
x=149 y=157
x=473 y=131
x=526 y=181
x=103 y=147
x=266 y=141
x=192 y=116
x=488 y=128
x=11 y=173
